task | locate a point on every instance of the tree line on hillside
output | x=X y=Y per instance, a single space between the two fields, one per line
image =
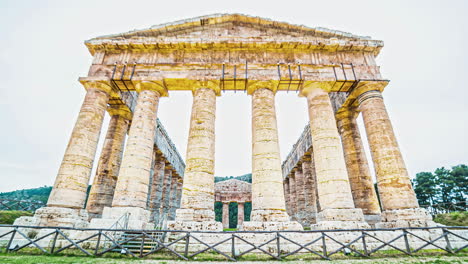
x=445 y=189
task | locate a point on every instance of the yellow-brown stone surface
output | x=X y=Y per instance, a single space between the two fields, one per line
x=393 y=180
x=333 y=187
x=133 y=180
x=157 y=186
x=102 y=190
x=360 y=178
x=198 y=187
x=310 y=188
x=268 y=202
x=72 y=180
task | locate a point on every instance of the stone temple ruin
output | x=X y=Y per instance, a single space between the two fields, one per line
x=325 y=182
x=230 y=191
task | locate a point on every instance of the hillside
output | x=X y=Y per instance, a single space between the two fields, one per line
x=35 y=194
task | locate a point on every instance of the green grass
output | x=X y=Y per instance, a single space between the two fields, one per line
x=8 y=217
x=230 y=229
x=452 y=219
x=32 y=255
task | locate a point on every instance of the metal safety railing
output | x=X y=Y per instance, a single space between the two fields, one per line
x=279 y=245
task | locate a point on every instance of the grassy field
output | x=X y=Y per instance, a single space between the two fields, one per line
x=8 y=217
x=23 y=259
x=75 y=256
x=452 y=219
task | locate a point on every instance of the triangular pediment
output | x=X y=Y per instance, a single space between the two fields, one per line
x=225 y=27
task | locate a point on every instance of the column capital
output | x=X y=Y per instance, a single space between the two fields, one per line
x=98 y=83
x=368 y=95
x=255 y=85
x=208 y=84
x=120 y=110
x=314 y=88
x=158 y=86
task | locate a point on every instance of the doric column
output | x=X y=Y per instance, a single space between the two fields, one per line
x=286 y=196
x=240 y=214
x=131 y=191
x=166 y=191
x=197 y=205
x=157 y=185
x=173 y=196
x=268 y=203
x=310 y=189
x=300 y=195
x=225 y=215
x=102 y=190
x=66 y=201
x=362 y=186
x=396 y=193
x=334 y=191
x=293 y=194
x=72 y=181
x=179 y=191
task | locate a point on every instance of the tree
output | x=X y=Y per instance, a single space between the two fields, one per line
x=425 y=186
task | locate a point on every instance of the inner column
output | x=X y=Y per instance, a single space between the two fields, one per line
x=334 y=191
x=362 y=186
x=131 y=192
x=268 y=203
x=102 y=190
x=197 y=203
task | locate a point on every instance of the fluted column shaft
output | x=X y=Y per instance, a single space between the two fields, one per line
x=157 y=188
x=166 y=191
x=268 y=203
x=240 y=214
x=292 y=194
x=300 y=189
x=198 y=189
x=360 y=178
x=332 y=178
x=287 y=196
x=225 y=215
x=173 y=196
x=72 y=180
x=133 y=181
x=102 y=190
x=310 y=187
x=393 y=180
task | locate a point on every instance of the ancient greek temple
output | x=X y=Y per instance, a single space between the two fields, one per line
x=325 y=182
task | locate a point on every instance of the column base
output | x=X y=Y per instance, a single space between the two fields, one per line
x=411 y=217
x=191 y=215
x=56 y=216
x=270 y=226
x=305 y=218
x=269 y=215
x=372 y=220
x=351 y=218
x=199 y=220
x=138 y=218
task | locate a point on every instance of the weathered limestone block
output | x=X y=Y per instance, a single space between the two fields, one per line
x=333 y=187
x=225 y=215
x=71 y=184
x=394 y=184
x=360 y=178
x=102 y=190
x=268 y=203
x=310 y=189
x=197 y=202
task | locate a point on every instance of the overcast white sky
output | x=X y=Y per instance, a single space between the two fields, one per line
x=42 y=55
